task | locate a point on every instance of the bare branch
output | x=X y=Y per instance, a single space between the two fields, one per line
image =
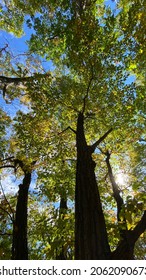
x=87 y=92
x=7 y=166
x=5 y=159
x=94 y=146
x=4 y=210
x=142 y=140
x=15 y=80
x=74 y=131
x=3 y=49
x=6 y=201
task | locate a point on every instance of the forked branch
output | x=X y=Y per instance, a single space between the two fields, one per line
x=67 y=128
x=94 y=146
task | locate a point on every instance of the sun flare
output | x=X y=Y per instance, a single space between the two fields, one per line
x=121 y=178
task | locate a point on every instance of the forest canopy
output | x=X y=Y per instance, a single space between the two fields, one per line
x=72 y=130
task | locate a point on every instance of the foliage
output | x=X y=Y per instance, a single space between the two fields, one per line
x=98 y=67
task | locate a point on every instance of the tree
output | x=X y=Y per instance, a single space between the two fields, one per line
x=90 y=100
x=19 y=216
x=19 y=245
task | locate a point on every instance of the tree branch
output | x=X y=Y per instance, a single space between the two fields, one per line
x=5 y=233
x=15 y=80
x=7 y=166
x=6 y=81
x=115 y=187
x=94 y=146
x=139 y=228
x=7 y=202
x=142 y=140
x=74 y=131
x=5 y=159
x=87 y=93
x=11 y=218
x=4 y=48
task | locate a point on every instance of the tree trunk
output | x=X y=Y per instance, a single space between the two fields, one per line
x=62 y=211
x=19 y=246
x=91 y=242
x=125 y=249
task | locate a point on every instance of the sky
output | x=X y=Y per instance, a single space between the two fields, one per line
x=16 y=46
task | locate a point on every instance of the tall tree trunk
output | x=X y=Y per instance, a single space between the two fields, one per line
x=62 y=212
x=19 y=246
x=91 y=240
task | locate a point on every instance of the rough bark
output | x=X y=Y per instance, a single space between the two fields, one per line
x=62 y=211
x=19 y=246
x=91 y=240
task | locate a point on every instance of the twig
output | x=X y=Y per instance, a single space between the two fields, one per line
x=4 y=48
x=67 y=129
x=5 y=233
x=7 y=166
x=6 y=200
x=5 y=159
x=7 y=213
x=87 y=92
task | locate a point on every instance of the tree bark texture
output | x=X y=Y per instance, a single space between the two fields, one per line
x=91 y=240
x=63 y=209
x=19 y=246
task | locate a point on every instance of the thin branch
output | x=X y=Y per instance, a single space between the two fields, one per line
x=74 y=131
x=6 y=199
x=94 y=146
x=3 y=49
x=5 y=233
x=115 y=187
x=142 y=140
x=87 y=92
x=17 y=80
x=7 y=213
x=5 y=159
x=7 y=166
